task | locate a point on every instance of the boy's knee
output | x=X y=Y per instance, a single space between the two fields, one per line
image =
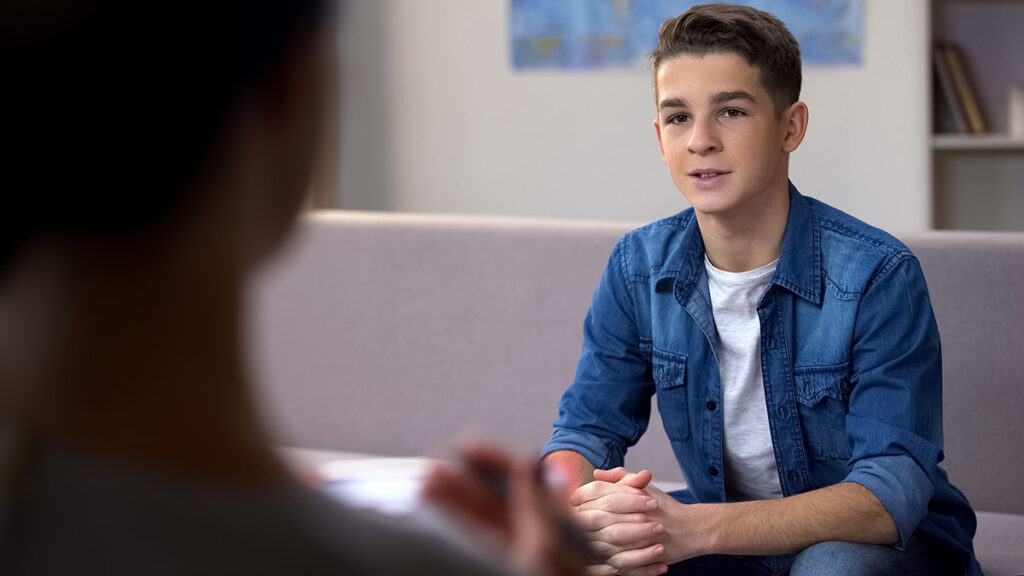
x=847 y=559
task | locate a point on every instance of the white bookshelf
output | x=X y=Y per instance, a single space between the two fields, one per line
x=978 y=180
x=967 y=142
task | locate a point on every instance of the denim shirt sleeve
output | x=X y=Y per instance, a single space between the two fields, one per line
x=895 y=412
x=607 y=407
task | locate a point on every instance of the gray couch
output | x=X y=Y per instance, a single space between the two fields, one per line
x=395 y=333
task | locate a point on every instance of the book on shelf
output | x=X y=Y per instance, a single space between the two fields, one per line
x=964 y=98
x=947 y=93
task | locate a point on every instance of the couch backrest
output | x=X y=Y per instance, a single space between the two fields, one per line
x=976 y=282
x=395 y=333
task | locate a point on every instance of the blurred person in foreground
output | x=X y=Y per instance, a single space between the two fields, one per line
x=155 y=154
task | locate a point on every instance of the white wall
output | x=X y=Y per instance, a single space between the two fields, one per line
x=436 y=120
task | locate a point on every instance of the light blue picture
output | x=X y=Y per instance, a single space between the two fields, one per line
x=586 y=34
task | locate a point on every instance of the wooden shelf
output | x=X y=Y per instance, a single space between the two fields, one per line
x=983 y=142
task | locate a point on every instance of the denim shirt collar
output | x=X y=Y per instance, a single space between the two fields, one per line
x=799 y=267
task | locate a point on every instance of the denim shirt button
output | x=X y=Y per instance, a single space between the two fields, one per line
x=711 y=405
x=713 y=471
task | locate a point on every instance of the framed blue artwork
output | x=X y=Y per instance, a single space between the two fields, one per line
x=590 y=34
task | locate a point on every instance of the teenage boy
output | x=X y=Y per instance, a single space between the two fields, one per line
x=792 y=349
x=155 y=154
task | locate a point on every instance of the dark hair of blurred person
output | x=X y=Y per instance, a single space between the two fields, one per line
x=154 y=153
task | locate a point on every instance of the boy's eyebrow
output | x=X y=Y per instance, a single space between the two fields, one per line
x=722 y=97
x=672 y=103
x=719 y=98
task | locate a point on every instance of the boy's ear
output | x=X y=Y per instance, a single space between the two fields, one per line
x=661 y=145
x=795 y=119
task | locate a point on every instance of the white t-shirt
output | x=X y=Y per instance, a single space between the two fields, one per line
x=750 y=469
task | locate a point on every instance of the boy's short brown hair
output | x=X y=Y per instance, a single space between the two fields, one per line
x=760 y=38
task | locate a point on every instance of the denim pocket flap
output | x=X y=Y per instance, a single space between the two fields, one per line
x=669 y=369
x=816 y=382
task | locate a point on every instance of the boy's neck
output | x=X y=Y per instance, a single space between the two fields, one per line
x=747 y=239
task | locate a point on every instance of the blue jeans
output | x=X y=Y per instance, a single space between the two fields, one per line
x=825 y=559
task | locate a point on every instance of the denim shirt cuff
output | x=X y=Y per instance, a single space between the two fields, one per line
x=598 y=452
x=900 y=485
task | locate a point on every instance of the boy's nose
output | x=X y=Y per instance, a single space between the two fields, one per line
x=703 y=138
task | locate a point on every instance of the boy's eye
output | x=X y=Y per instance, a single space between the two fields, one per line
x=678 y=118
x=733 y=113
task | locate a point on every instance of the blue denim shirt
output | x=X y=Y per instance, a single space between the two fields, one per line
x=850 y=358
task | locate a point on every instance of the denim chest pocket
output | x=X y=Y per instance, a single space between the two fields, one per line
x=823 y=396
x=669 y=371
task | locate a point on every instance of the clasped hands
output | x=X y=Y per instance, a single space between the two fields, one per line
x=635 y=528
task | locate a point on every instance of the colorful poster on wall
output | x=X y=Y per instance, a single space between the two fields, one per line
x=589 y=34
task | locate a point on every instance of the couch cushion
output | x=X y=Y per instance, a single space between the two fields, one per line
x=394 y=333
x=976 y=281
x=999 y=543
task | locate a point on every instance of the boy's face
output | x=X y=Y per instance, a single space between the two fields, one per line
x=724 y=145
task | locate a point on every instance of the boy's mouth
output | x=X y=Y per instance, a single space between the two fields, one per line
x=707 y=173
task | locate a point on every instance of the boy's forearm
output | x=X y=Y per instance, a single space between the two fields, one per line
x=846 y=512
x=571 y=467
